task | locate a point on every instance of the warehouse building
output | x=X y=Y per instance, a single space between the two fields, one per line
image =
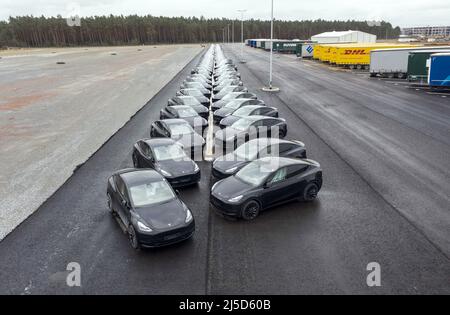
x=344 y=37
x=428 y=31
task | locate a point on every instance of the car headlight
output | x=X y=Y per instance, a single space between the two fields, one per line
x=165 y=173
x=236 y=199
x=189 y=216
x=143 y=227
x=196 y=168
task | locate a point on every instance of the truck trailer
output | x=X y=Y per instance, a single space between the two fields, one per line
x=393 y=62
x=439 y=72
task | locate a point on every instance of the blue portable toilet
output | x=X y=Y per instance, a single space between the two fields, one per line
x=439 y=70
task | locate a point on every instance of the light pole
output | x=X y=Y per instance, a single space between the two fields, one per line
x=271 y=88
x=242 y=34
x=228 y=32
x=232 y=33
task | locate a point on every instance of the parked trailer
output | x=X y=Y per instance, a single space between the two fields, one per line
x=419 y=64
x=439 y=73
x=307 y=51
x=352 y=55
x=393 y=62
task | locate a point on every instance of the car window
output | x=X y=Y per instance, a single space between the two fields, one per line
x=295 y=170
x=269 y=122
x=169 y=152
x=121 y=187
x=145 y=148
x=281 y=175
x=151 y=193
x=263 y=111
x=285 y=147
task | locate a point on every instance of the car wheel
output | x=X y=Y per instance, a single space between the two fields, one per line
x=109 y=203
x=250 y=210
x=132 y=237
x=310 y=192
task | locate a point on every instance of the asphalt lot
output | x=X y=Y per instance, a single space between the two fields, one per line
x=53 y=117
x=368 y=209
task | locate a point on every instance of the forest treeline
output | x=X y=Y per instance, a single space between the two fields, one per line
x=29 y=31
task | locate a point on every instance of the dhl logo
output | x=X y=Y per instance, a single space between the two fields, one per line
x=355 y=52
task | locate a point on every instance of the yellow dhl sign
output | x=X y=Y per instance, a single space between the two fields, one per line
x=350 y=54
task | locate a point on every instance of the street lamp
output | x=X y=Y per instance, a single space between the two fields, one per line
x=271 y=88
x=242 y=34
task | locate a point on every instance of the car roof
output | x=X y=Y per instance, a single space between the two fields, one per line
x=181 y=107
x=170 y=122
x=157 y=142
x=254 y=106
x=141 y=176
x=273 y=141
x=283 y=161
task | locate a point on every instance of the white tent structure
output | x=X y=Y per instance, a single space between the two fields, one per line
x=344 y=37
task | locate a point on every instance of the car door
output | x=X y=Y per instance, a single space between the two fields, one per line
x=276 y=188
x=147 y=160
x=122 y=205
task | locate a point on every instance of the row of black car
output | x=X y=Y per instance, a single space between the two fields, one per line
x=260 y=171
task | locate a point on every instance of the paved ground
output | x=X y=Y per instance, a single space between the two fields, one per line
x=323 y=247
x=53 y=117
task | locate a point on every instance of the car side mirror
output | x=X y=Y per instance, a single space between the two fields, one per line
x=267 y=185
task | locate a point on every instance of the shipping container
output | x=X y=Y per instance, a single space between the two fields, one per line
x=393 y=62
x=439 y=72
x=287 y=47
x=352 y=55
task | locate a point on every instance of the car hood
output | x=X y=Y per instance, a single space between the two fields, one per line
x=178 y=168
x=163 y=216
x=229 y=120
x=229 y=161
x=223 y=112
x=230 y=187
x=190 y=140
x=227 y=134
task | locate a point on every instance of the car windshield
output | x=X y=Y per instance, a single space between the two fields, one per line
x=247 y=151
x=194 y=93
x=233 y=104
x=187 y=112
x=256 y=172
x=242 y=124
x=151 y=193
x=169 y=152
x=190 y=101
x=229 y=96
x=243 y=111
x=180 y=129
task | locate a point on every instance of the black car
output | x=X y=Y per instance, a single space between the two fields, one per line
x=266 y=183
x=234 y=105
x=168 y=158
x=186 y=113
x=148 y=209
x=229 y=117
x=195 y=93
x=197 y=85
x=199 y=80
x=226 y=83
x=191 y=101
x=227 y=90
x=232 y=96
x=231 y=163
x=180 y=131
x=248 y=128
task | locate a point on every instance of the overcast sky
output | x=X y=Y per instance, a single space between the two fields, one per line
x=399 y=12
